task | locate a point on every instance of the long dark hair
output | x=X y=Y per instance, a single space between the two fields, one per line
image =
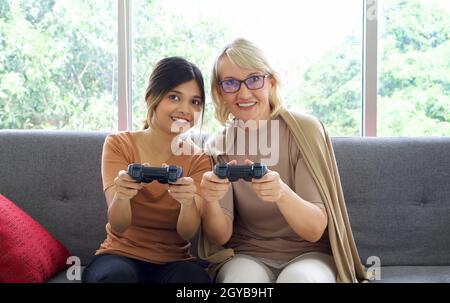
x=169 y=73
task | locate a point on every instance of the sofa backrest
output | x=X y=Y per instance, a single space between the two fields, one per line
x=55 y=177
x=397 y=191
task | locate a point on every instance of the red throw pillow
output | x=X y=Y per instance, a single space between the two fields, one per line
x=28 y=252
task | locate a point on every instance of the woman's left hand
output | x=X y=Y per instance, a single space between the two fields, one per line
x=269 y=188
x=183 y=190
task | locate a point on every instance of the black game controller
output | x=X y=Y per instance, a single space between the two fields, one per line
x=147 y=174
x=236 y=172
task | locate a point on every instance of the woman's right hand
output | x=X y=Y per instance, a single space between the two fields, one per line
x=126 y=188
x=213 y=188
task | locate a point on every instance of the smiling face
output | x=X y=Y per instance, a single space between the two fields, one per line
x=245 y=104
x=179 y=108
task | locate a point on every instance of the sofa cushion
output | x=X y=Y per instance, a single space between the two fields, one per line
x=29 y=252
x=55 y=177
x=61 y=277
x=414 y=274
x=397 y=192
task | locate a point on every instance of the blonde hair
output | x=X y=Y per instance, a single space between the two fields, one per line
x=247 y=55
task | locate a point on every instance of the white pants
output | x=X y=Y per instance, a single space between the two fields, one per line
x=312 y=267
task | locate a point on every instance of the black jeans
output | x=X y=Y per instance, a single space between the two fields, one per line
x=108 y=268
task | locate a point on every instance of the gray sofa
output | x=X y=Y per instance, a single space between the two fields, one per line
x=397 y=192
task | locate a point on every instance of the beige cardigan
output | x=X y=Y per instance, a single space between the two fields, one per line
x=315 y=146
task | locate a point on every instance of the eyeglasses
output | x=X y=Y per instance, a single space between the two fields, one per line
x=252 y=83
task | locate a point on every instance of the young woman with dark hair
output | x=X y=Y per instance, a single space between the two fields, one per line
x=150 y=224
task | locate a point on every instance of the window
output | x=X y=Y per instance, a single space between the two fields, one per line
x=315 y=46
x=414 y=68
x=59 y=59
x=58 y=65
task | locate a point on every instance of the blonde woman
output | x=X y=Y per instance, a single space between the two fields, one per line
x=291 y=225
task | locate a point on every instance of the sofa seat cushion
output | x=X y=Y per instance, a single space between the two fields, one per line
x=61 y=277
x=30 y=254
x=415 y=274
